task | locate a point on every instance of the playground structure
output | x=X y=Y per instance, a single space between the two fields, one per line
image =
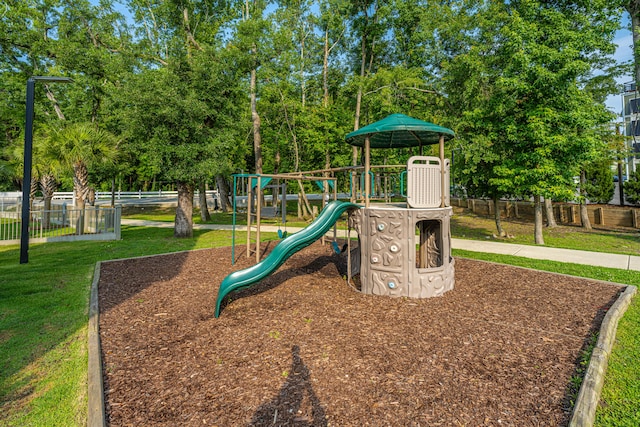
x=389 y=263
x=404 y=249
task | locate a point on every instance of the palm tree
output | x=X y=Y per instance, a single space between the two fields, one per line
x=78 y=146
x=47 y=170
x=15 y=166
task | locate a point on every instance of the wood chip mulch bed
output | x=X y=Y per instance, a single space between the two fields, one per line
x=303 y=348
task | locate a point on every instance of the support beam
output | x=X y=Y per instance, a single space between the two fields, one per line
x=367 y=168
x=442 y=172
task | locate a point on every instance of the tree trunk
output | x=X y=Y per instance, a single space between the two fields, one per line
x=184 y=212
x=48 y=185
x=496 y=216
x=202 y=202
x=548 y=209
x=325 y=70
x=81 y=187
x=538 y=220
x=255 y=120
x=81 y=183
x=306 y=207
x=54 y=101
x=303 y=88
x=356 y=124
x=620 y=183
x=223 y=193
x=584 y=215
x=32 y=192
x=326 y=189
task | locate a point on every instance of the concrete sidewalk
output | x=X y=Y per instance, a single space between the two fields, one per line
x=598 y=259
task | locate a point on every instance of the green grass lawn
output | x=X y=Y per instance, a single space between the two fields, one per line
x=43 y=320
x=167 y=214
x=620 y=399
x=466 y=225
x=44 y=308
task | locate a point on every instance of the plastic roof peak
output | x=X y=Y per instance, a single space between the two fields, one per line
x=398 y=131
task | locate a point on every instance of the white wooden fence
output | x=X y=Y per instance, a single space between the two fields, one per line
x=62 y=224
x=128 y=195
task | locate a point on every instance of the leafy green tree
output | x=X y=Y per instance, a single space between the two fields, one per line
x=529 y=65
x=184 y=121
x=180 y=111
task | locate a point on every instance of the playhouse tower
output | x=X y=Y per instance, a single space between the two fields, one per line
x=405 y=248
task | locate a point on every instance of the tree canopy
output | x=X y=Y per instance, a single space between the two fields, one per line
x=197 y=88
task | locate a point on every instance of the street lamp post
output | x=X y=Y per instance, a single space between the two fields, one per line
x=28 y=149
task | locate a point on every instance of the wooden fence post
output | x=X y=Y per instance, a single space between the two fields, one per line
x=600 y=215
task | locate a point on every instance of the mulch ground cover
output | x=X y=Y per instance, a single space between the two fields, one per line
x=304 y=348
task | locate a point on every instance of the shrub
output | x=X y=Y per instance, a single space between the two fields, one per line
x=632 y=188
x=599 y=187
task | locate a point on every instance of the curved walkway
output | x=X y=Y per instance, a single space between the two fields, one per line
x=598 y=259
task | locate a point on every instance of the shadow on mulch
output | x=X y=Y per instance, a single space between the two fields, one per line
x=283 y=409
x=303 y=348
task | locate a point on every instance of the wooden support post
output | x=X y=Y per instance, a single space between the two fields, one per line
x=600 y=215
x=367 y=168
x=352 y=177
x=635 y=218
x=442 y=174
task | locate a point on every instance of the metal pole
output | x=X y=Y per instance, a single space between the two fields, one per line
x=26 y=180
x=28 y=152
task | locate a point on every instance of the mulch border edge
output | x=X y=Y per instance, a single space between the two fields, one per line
x=96 y=415
x=583 y=412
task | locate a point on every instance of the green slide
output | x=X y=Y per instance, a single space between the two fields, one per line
x=245 y=278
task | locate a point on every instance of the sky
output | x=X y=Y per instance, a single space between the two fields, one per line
x=624 y=52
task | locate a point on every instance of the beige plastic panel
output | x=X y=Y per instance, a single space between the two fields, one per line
x=423 y=182
x=388 y=252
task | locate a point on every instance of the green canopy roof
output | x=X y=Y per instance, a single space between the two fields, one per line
x=397 y=131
